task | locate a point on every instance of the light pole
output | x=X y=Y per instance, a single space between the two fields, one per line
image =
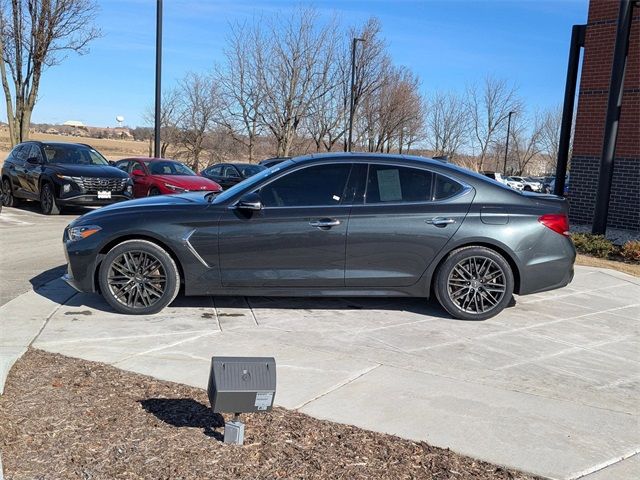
x=157 y=122
x=353 y=81
x=506 y=148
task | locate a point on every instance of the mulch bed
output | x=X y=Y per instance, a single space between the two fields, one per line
x=68 y=418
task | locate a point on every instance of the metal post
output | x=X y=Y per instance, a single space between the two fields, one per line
x=353 y=81
x=577 y=41
x=158 y=109
x=614 y=104
x=506 y=148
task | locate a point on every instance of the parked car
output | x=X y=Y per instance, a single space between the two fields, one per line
x=270 y=162
x=330 y=225
x=61 y=174
x=494 y=175
x=229 y=174
x=160 y=176
x=516 y=185
x=528 y=184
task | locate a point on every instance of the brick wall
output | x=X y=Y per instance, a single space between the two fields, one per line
x=624 y=207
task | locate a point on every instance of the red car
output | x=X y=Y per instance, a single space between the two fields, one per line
x=160 y=176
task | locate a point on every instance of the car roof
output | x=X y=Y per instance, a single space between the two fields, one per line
x=147 y=159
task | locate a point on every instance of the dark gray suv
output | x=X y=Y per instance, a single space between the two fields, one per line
x=330 y=225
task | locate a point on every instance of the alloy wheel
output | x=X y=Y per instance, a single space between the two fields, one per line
x=476 y=284
x=47 y=198
x=137 y=279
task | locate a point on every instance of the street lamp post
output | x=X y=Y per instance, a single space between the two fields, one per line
x=157 y=120
x=353 y=81
x=506 y=149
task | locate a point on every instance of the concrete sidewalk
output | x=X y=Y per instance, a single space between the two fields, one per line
x=550 y=386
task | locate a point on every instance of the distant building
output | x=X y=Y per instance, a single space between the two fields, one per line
x=624 y=206
x=74 y=123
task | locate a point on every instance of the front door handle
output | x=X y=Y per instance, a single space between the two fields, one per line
x=440 y=221
x=324 y=223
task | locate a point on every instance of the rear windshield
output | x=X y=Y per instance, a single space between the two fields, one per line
x=73 y=155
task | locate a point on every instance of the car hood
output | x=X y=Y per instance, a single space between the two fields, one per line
x=148 y=203
x=103 y=171
x=189 y=182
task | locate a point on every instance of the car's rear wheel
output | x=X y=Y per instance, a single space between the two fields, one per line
x=138 y=277
x=474 y=283
x=48 y=203
x=8 y=200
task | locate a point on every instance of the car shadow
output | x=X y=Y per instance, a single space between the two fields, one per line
x=185 y=412
x=34 y=207
x=47 y=276
x=428 y=307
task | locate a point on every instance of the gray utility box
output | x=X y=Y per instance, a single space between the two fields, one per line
x=242 y=384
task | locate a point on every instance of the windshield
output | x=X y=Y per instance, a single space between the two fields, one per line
x=250 y=170
x=73 y=155
x=169 y=168
x=247 y=184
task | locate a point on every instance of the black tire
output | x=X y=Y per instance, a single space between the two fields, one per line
x=8 y=200
x=153 y=191
x=474 y=283
x=127 y=284
x=527 y=188
x=48 y=203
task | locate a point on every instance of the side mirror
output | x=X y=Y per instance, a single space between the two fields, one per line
x=34 y=161
x=137 y=173
x=250 y=201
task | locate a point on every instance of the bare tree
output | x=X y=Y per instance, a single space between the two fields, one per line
x=297 y=66
x=169 y=120
x=550 y=136
x=199 y=105
x=488 y=109
x=241 y=84
x=447 y=123
x=35 y=34
x=372 y=64
x=524 y=143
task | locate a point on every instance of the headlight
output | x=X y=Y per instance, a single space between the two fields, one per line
x=174 y=188
x=78 y=233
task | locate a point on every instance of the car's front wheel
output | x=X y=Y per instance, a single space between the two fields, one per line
x=138 y=277
x=474 y=283
x=8 y=200
x=48 y=202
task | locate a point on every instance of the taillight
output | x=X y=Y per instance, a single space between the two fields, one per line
x=558 y=222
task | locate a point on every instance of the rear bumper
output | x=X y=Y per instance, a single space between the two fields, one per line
x=549 y=265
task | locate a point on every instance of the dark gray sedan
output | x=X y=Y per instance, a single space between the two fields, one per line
x=330 y=225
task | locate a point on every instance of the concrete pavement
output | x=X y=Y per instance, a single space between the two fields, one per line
x=550 y=386
x=30 y=248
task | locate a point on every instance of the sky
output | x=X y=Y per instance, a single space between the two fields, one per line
x=449 y=44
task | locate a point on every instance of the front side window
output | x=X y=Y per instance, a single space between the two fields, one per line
x=394 y=184
x=250 y=170
x=320 y=185
x=229 y=171
x=35 y=152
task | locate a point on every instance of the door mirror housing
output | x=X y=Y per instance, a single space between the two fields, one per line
x=249 y=201
x=34 y=161
x=137 y=173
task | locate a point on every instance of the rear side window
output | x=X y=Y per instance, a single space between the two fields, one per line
x=393 y=184
x=321 y=185
x=20 y=152
x=445 y=188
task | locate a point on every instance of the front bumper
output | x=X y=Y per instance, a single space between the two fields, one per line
x=92 y=200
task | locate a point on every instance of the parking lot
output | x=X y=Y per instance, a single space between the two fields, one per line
x=550 y=386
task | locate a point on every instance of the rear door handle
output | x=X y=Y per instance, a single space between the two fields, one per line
x=324 y=223
x=440 y=221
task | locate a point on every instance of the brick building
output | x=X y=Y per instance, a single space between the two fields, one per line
x=624 y=207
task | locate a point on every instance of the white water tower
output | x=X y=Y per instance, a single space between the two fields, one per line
x=120 y=120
